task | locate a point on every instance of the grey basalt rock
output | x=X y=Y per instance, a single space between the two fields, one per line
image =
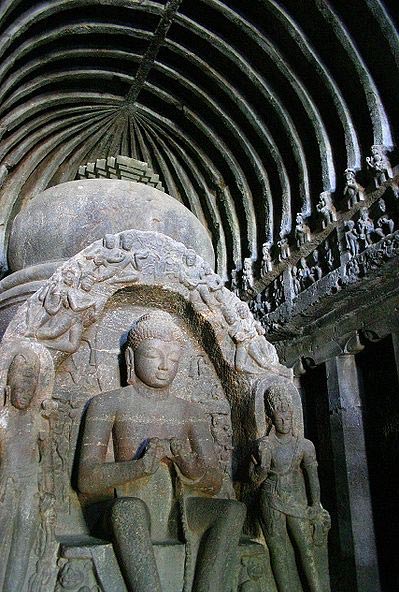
x=64 y=219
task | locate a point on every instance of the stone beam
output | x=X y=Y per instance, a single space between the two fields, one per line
x=152 y=51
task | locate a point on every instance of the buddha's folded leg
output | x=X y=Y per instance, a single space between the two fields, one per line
x=130 y=524
x=219 y=523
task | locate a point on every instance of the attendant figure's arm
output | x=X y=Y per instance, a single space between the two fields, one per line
x=260 y=462
x=95 y=474
x=309 y=462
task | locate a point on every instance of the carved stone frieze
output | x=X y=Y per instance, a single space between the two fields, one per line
x=75 y=296
x=372 y=258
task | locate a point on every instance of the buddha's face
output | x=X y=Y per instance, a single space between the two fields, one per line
x=22 y=380
x=156 y=362
x=282 y=420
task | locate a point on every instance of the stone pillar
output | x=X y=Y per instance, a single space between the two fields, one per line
x=395 y=342
x=355 y=520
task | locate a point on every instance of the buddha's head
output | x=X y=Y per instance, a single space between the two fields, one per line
x=22 y=379
x=278 y=403
x=154 y=347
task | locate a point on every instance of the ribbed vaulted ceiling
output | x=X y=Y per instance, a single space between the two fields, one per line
x=248 y=109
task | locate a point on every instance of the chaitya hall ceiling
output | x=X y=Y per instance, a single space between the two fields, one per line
x=247 y=110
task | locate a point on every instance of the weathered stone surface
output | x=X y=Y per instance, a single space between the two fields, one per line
x=64 y=219
x=284 y=470
x=201 y=424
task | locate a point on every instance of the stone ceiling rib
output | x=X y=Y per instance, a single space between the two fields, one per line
x=248 y=111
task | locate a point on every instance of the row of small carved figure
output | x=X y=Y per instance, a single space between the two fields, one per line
x=309 y=270
x=268 y=300
x=366 y=231
x=353 y=193
x=358 y=235
x=373 y=257
x=68 y=304
x=306 y=273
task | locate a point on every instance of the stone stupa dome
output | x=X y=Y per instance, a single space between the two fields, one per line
x=64 y=219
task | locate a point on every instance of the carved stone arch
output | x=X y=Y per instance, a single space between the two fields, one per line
x=147 y=270
x=153 y=269
x=144 y=267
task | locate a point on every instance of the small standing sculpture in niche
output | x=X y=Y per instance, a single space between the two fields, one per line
x=315 y=269
x=279 y=464
x=305 y=276
x=247 y=276
x=19 y=468
x=384 y=224
x=378 y=161
x=284 y=247
x=353 y=191
x=277 y=292
x=302 y=231
x=165 y=464
x=326 y=210
x=267 y=264
x=351 y=238
x=365 y=228
x=328 y=254
x=296 y=284
x=234 y=282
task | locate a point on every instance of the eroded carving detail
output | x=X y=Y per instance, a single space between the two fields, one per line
x=161 y=443
x=76 y=295
x=280 y=461
x=379 y=163
x=352 y=191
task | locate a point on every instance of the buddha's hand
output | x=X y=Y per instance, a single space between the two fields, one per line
x=188 y=461
x=152 y=456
